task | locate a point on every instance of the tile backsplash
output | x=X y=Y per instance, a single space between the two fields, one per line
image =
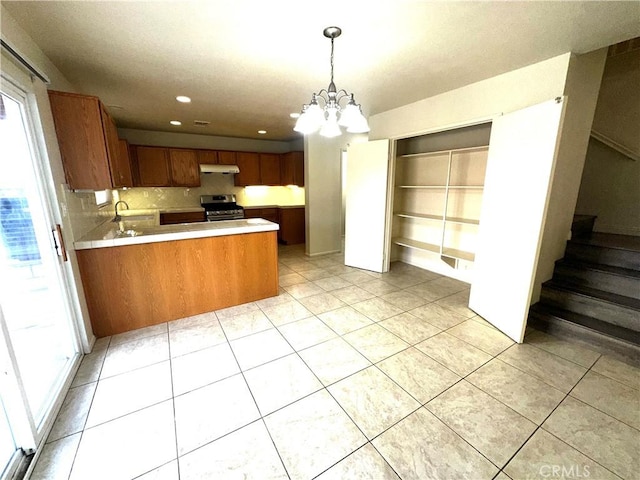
x=173 y=197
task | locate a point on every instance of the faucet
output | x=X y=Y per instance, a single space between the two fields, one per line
x=118 y=218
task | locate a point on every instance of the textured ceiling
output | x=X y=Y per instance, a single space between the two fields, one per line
x=248 y=64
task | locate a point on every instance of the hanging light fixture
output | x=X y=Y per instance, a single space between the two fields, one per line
x=324 y=112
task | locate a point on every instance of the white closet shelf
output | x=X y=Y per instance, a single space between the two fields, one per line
x=422 y=216
x=458 y=254
x=442 y=152
x=464 y=221
x=407 y=242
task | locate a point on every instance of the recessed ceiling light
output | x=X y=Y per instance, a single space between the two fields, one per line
x=183 y=99
x=262 y=132
x=175 y=122
x=294 y=115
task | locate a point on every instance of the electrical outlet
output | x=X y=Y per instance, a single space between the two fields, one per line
x=145 y=194
x=186 y=192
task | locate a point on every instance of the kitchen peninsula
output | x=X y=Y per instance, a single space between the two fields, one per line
x=152 y=274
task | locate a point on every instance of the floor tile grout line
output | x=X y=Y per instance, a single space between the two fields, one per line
x=261 y=416
x=539 y=427
x=173 y=401
x=75 y=455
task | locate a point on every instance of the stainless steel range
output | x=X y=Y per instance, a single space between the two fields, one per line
x=221 y=207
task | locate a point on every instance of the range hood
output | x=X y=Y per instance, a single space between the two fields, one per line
x=208 y=168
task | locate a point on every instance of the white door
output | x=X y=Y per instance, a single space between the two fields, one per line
x=38 y=345
x=366 y=205
x=522 y=155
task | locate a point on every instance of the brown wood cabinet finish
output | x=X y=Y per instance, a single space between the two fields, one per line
x=226 y=157
x=169 y=218
x=207 y=157
x=88 y=141
x=124 y=164
x=136 y=286
x=292 y=225
x=269 y=169
x=184 y=167
x=152 y=167
x=249 y=165
x=292 y=168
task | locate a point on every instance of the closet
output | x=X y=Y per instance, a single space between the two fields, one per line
x=437 y=196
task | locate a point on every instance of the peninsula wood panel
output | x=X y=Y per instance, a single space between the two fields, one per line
x=135 y=286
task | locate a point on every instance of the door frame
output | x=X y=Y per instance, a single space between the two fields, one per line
x=28 y=435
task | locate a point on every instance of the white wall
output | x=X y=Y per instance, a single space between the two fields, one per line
x=610 y=189
x=323 y=176
x=610 y=186
x=583 y=82
x=504 y=93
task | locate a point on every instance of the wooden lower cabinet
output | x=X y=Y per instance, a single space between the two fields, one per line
x=292 y=225
x=136 y=286
x=169 y=218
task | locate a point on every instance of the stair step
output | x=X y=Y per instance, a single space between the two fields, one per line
x=620 y=281
x=615 y=250
x=597 y=334
x=601 y=305
x=582 y=225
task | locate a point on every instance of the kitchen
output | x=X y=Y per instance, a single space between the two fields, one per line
x=323 y=263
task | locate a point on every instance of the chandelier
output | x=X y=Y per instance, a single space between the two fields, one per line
x=324 y=111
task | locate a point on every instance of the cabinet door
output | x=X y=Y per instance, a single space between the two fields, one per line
x=249 y=165
x=252 y=213
x=292 y=169
x=226 y=158
x=124 y=165
x=292 y=225
x=207 y=157
x=118 y=173
x=153 y=166
x=78 y=124
x=269 y=169
x=169 y=218
x=522 y=157
x=184 y=168
x=366 y=209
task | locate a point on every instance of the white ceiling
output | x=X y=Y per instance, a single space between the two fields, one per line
x=247 y=64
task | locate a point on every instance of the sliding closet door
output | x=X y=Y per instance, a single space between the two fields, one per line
x=366 y=205
x=522 y=156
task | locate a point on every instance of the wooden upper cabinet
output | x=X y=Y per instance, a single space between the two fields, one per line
x=121 y=171
x=249 y=165
x=226 y=158
x=185 y=171
x=207 y=157
x=269 y=169
x=153 y=167
x=88 y=141
x=292 y=168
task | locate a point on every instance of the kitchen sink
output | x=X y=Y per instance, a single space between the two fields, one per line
x=127 y=233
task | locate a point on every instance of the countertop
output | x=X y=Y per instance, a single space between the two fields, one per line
x=273 y=206
x=145 y=231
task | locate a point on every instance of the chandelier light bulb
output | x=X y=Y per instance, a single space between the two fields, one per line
x=324 y=111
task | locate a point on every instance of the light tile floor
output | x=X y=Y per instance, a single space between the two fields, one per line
x=346 y=374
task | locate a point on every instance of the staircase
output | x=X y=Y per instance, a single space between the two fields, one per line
x=594 y=295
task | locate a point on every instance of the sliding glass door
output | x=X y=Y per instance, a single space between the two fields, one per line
x=39 y=346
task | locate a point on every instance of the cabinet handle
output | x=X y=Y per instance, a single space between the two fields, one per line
x=58 y=241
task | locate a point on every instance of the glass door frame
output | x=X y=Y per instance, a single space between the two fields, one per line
x=28 y=435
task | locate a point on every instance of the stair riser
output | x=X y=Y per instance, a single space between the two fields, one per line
x=605 y=256
x=609 y=282
x=623 y=350
x=605 y=311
